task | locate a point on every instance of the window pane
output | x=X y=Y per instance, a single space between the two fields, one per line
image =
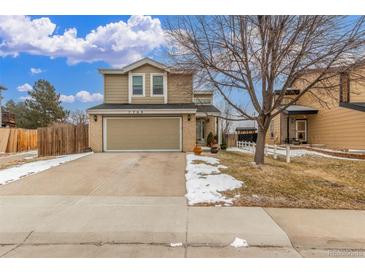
x=301 y=126
x=137 y=85
x=137 y=80
x=157 y=85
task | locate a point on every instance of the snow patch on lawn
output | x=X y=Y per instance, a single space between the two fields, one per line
x=238 y=242
x=293 y=153
x=204 y=181
x=15 y=173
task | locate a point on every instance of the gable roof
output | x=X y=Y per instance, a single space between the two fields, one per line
x=139 y=63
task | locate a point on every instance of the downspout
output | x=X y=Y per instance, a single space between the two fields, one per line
x=219 y=129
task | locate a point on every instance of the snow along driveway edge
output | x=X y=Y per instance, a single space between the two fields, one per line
x=12 y=174
x=204 y=181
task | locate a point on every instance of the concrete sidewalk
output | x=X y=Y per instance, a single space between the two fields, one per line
x=106 y=226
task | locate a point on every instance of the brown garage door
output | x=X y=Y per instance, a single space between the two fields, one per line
x=142 y=133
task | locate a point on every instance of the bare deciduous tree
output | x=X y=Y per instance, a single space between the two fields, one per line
x=79 y=117
x=260 y=54
x=227 y=113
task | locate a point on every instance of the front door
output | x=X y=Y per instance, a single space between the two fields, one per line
x=200 y=130
x=301 y=130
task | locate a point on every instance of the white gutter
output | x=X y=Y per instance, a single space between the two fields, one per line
x=141 y=111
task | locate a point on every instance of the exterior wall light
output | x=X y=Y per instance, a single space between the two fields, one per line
x=95 y=118
x=189 y=117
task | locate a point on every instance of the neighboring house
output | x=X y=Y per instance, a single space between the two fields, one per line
x=7 y=119
x=337 y=120
x=149 y=106
x=246 y=134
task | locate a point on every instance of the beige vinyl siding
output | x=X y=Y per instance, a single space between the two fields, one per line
x=115 y=88
x=357 y=88
x=152 y=133
x=335 y=126
x=148 y=98
x=275 y=128
x=147 y=69
x=203 y=96
x=180 y=88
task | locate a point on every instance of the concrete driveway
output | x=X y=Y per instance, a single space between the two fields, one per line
x=133 y=205
x=108 y=174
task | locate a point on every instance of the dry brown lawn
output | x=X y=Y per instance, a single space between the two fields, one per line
x=307 y=182
x=15 y=162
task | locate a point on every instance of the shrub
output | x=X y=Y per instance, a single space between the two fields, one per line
x=224 y=143
x=210 y=139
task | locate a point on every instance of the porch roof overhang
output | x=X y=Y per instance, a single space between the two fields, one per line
x=205 y=110
x=298 y=109
x=136 y=109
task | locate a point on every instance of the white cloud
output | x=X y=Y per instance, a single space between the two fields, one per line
x=35 y=70
x=67 y=98
x=85 y=96
x=24 y=88
x=117 y=43
x=82 y=96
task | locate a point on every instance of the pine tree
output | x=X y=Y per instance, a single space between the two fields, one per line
x=20 y=112
x=44 y=107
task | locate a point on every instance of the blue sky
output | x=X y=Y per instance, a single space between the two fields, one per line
x=68 y=50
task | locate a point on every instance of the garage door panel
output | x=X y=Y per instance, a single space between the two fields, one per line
x=143 y=133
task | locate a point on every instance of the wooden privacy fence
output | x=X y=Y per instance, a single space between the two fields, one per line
x=17 y=139
x=62 y=139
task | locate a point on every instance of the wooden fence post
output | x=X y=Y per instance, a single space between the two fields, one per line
x=266 y=150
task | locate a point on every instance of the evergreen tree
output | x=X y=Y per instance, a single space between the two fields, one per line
x=44 y=107
x=20 y=112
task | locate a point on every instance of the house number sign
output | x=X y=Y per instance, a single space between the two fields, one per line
x=135 y=112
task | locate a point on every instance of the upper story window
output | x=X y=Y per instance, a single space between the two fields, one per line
x=137 y=85
x=157 y=85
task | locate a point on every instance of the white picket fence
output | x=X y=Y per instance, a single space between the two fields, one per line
x=269 y=149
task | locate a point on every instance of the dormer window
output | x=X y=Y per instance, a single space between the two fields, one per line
x=138 y=85
x=157 y=84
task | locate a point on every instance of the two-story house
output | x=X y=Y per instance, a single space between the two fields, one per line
x=332 y=117
x=149 y=106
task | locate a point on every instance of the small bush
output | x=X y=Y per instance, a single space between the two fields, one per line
x=224 y=143
x=210 y=139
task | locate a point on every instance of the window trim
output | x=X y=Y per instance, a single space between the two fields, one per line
x=131 y=84
x=163 y=84
x=164 y=76
x=305 y=128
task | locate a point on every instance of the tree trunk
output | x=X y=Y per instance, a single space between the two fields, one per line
x=260 y=146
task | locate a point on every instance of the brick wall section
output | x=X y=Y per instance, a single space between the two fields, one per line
x=96 y=133
x=188 y=132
